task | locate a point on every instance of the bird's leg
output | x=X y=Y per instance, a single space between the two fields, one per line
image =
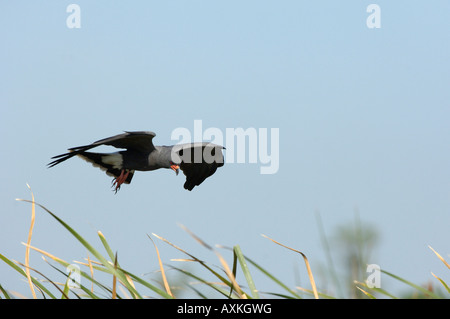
x=121 y=179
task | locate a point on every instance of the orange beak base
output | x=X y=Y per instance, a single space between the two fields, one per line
x=175 y=168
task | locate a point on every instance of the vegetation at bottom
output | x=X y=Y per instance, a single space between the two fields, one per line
x=100 y=275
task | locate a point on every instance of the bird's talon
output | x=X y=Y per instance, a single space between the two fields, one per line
x=120 y=179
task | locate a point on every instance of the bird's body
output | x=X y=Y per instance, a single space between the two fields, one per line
x=198 y=161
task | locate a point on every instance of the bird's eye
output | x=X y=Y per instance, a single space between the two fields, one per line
x=180 y=152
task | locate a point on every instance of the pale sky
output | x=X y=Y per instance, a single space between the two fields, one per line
x=362 y=115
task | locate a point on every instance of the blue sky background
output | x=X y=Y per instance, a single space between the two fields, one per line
x=363 y=116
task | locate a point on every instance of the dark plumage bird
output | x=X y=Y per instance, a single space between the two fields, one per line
x=198 y=161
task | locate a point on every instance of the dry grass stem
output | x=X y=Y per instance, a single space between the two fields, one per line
x=311 y=278
x=163 y=274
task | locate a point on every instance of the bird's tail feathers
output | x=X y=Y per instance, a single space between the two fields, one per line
x=61 y=158
x=72 y=152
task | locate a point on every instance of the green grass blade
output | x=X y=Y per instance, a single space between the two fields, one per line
x=66 y=288
x=421 y=289
x=83 y=274
x=106 y=245
x=22 y=272
x=368 y=294
x=376 y=290
x=144 y=283
x=93 y=251
x=442 y=282
x=5 y=293
x=221 y=291
x=246 y=271
x=220 y=277
x=273 y=278
x=233 y=271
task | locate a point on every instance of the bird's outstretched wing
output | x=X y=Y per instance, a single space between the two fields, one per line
x=198 y=161
x=137 y=141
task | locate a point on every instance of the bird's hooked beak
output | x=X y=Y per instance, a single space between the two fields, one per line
x=176 y=168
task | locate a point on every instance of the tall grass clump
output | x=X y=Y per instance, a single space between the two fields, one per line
x=121 y=284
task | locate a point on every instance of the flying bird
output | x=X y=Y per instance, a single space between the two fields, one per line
x=198 y=161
